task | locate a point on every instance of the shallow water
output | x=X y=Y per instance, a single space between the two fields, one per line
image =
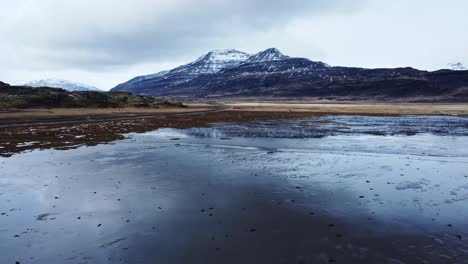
x=342 y=189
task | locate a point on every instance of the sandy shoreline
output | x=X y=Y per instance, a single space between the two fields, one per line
x=26 y=116
x=353 y=108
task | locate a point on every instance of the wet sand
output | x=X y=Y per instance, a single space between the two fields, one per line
x=349 y=190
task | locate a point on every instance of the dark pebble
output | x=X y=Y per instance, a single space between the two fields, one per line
x=253 y=230
x=99 y=225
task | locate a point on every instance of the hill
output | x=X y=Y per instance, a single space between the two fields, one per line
x=46 y=97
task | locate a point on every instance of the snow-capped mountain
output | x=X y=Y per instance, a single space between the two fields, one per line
x=210 y=63
x=232 y=73
x=271 y=54
x=213 y=62
x=456 y=66
x=64 y=84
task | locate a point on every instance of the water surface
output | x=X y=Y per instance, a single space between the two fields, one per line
x=343 y=189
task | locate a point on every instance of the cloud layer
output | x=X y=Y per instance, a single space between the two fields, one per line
x=108 y=33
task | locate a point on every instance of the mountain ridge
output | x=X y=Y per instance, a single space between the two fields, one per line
x=273 y=74
x=61 y=83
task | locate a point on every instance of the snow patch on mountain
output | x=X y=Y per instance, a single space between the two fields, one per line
x=457 y=66
x=64 y=84
x=271 y=54
x=213 y=62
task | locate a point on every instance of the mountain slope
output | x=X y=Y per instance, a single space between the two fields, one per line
x=64 y=84
x=271 y=54
x=209 y=63
x=272 y=74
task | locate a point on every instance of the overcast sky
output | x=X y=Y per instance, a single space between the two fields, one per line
x=106 y=42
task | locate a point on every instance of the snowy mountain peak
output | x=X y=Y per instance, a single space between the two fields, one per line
x=213 y=62
x=224 y=56
x=456 y=66
x=271 y=54
x=59 y=83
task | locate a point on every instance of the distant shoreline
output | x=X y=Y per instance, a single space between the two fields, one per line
x=352 y=108
x=64 y=115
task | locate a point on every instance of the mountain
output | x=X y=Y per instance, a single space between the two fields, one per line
x=457 y=66
x=64 y=84
x=273 y=74
x=209 y=63
x=271 y=54
x=213 y=62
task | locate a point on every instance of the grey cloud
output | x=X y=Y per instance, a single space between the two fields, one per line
x=97 y=34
